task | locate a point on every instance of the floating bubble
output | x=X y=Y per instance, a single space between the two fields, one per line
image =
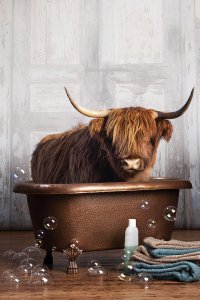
x=11 y=277
x=30 y=263
x=33 y=252
x=143 y=279
x=125 y=271
x=19 y=256
x=126 y=254
x=97 y=271
x=152 y=223
x=95 y=268
x=170 y=213
x=23 y=270
x=40 y=279
x=50 y=223
x=40 y=234
x=16 y=280
x=38 y=243
x=40 y=269
x=74 y=243
x=6 y=274
x=93 y=263
x=8 y=256
x=53 y=248
x=8 y=253
x=144 y=204
x=19 y=174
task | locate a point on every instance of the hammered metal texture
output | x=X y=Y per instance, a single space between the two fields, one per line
x=98 y=221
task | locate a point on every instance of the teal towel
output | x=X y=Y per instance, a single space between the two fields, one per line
x=181 y=271
x=166 y=252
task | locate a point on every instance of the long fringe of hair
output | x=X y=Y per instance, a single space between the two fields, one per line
x=129 y=128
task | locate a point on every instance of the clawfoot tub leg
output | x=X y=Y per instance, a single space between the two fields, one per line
x=72 y=252
x=48 y=260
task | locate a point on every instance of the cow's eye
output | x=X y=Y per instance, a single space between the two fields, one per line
x=152 y=141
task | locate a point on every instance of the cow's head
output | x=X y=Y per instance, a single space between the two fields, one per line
x=130 y=136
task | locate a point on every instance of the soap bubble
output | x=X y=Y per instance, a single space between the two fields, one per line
x=15 y=280
x=11 y=277
x=6 y=274
x=23 y=270
x=144 y=204
x=97 y=271
x=143 y=279
x=40 y=269
x=40 y=234
x=19 y=174
x=30 y=263
x=53 y=248
x=8 y=256
x=95 y=268
x=40 y=279
x=33 y=252
x=126 y=254
x=50 y=223
x=151 y=223
x=125 y=271
x=19 y=256
x=74 y=243
x=93 y=263
x=170 y=213
x=38 y=243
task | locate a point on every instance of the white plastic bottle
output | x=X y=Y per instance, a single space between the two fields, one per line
x=131 y=239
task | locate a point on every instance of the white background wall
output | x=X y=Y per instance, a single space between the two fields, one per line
x=109 y=53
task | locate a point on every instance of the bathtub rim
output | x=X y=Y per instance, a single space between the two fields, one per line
x=157 y=183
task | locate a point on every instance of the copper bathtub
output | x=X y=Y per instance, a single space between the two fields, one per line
x=97 y=214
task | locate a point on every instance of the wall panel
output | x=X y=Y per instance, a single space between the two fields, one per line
x=38 y=31
x=138 y=33
x=63 y=32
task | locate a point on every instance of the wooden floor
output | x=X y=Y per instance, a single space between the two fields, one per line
x=83 y=286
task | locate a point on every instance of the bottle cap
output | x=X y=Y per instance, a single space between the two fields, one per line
x=132 y=222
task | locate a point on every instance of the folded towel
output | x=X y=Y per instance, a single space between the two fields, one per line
x=174 y=244
x=165 y=252
x=180 y=271
x=142 y=254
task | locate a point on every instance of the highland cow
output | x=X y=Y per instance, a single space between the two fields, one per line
x=118 y=145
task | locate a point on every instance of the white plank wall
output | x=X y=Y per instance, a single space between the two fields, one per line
x=109 y=53
x=20 y=107
x=5 y=104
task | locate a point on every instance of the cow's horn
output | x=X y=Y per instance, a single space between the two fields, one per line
x=175 y=114
x=86 y=112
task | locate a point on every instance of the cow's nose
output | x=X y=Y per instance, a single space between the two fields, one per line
x=133 y=164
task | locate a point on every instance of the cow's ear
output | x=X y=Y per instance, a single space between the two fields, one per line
x=96 y=126
x=165 y=129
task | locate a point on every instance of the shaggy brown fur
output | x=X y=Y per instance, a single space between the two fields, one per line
x=95 y=153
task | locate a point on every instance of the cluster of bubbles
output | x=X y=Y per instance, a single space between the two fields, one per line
x=25 y=268
x=126 y=273
x=169 y=214
x=50 y=223
x=125 y=270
